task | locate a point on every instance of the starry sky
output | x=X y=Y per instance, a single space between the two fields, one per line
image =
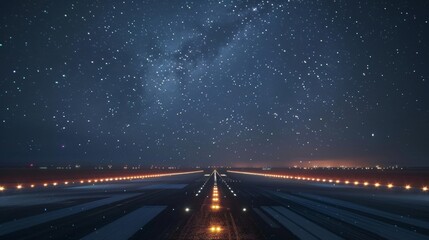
x=237 y=83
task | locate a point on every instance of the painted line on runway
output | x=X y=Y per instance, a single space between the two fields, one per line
x=375 y=226
x=126 y=226
x=164 y=186
x=391 y=216
x=298 y=231
x=23 y=223
x=266 y=219
x=306 y=224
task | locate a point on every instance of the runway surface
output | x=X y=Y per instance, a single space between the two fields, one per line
x=214 y=205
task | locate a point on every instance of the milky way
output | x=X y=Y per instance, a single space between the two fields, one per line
x=214 y=82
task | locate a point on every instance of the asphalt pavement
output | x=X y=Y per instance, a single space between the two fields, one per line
x=214 y=205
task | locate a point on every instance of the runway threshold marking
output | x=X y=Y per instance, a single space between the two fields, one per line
x=298 y=231
x=23 y=223
x=126 y=226
x=266 y=219
x=306 y=224
x=372 y=211
x=375 y=226
x=164 y=186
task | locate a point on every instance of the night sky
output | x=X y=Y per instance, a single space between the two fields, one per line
x=238 y=83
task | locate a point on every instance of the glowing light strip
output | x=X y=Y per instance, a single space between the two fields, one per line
x=328 y=180
x=230 y=189
x=112 y=179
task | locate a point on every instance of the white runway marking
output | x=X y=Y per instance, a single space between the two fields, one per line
x=163 y=186
x=126 y=226
x=27 y=222
x=380 y=228
x=395 y=217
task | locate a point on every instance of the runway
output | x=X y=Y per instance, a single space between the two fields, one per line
x=228 y=206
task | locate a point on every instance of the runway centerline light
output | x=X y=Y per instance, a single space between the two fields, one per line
x=215 y=229
x=215 y=207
